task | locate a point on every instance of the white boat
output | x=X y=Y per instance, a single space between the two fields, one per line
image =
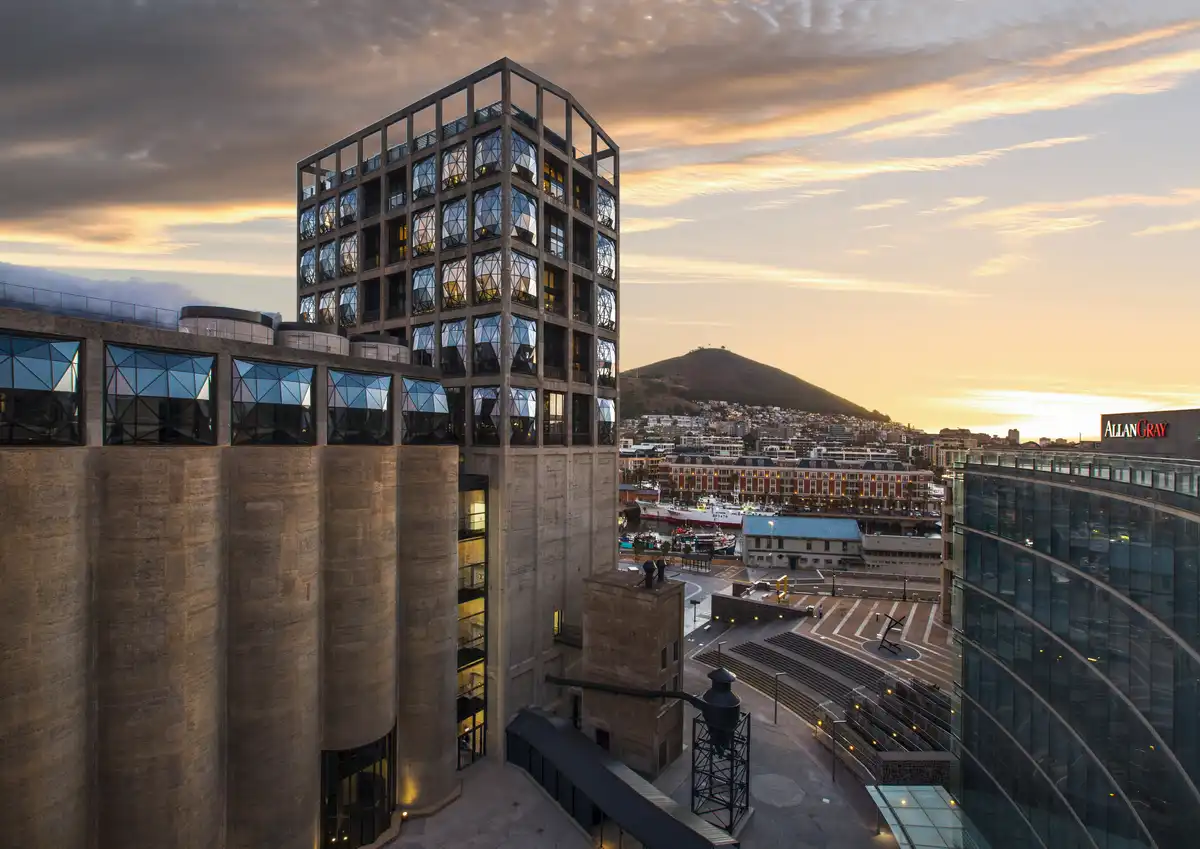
x=707 y=513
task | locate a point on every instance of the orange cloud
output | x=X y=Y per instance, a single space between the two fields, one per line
x=1163 y=229
x=649 y=225
x=1031 y=220
x=881 y=205
x=1116 y=45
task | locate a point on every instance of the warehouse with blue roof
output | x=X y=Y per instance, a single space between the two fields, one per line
x=801 y=542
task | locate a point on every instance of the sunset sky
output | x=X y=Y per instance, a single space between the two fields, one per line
x=963 y=213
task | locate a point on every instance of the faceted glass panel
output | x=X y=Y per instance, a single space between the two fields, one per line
x=454 y=284
x=487 y=277
x=348 y=207
x=454 y=166
x=308 y=223
x=327 y=217
x=606 y=208
x=522 y=416
x=327 y=314
x=606 y=362
x=606 y=256
x=308 y=267
x=522 y=343
x=360 y=408
x=308 y=309
x=524 y=157
x=424 y=178
x=272 y=404
x=424 y=346
x=486 y=415
x=487 y=153
x=348 y=306
x=606 y=416
x=606 y=308
x=524 y=279
x=424 y=291
x=348 y=250
x=39 y=391
x=158 y=398
x=524 y=217
x=486 y=350
x=424 y=230
x=454 y=347
x=425 y=410
x=454 y=223
x=487 y=213
x=329 y=261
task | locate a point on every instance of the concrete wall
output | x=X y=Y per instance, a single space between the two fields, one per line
x=44 y=649
x=274 y=647
x=741 y=610
x=427 y=588
x=158 y=603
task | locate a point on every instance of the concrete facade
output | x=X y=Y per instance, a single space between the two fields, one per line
x=633 y=636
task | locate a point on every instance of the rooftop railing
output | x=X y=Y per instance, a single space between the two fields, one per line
x=1175 y=477
x=86 y=306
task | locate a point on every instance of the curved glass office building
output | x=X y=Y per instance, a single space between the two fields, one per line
x=1076 y=603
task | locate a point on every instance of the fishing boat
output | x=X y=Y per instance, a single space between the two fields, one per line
x=707 y=513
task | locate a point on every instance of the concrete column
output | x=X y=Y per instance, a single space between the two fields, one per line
x=320 y=403
x=396 y=399
x=92 y=381
x=223 y=388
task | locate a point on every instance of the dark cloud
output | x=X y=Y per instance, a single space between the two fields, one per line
x=38 y=286
x=169 y=102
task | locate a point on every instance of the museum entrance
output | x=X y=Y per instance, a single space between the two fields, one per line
x=358 y=791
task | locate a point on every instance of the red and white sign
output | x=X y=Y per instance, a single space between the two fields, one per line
x=1143 y=429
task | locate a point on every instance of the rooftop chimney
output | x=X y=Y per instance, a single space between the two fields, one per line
x=648 y=569
x=662 y=570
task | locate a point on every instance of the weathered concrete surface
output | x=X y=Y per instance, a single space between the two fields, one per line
x=44 y=648
x=427 y=588
x=274 y=647
x=158 y=596
x=358 y=575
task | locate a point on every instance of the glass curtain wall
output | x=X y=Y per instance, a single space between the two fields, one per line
x=472 y=619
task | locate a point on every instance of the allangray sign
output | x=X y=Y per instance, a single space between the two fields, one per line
x=1141 y=429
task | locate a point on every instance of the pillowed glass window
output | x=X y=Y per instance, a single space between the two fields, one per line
x=485 y=417
x=524 y=217
x=360 y=408
x=606 y=208
x=348 y=306
x=606 y=421
x=454 y=284
x=348 y=208
x=348 y=251
x=522 y=416
x=272 y=404
x=308 y=309
x=358 y=789
x=454 y=347
x=454 y=166
x=606 y=362
x=554 y=418
x=606 y=308
x=606 y=256
x=329 y=261
x=308 y=267
x=424 y=229
x=487 y=213
x=523 y=345
x=425 y=411
x=39 y=391
x=308 y=223
x=424 y=290
x=486 y=349
x=524 y=279
x=327 y=217
x=424 y=345
x=487 y=153
x=524 y=158
x=158 y=398
x=424 y=181
x=328 y=311
x=454 y=223
x=487 y=277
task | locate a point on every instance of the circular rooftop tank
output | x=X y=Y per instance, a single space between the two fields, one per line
x=228 y=323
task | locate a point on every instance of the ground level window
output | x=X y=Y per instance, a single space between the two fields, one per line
x=358 y=792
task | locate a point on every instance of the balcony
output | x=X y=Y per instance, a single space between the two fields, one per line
x=349 y=174
x=582 y=312
x=489 y=112
x=554 y=372
x=397 y=152
x=429 y=139
x=455 y=127
x=472 y=582
x=396 y=200
x=470 y=702
x=523 y=116
x=308 y=192
x=581 y=374
x=372 y=164
x=471 y=649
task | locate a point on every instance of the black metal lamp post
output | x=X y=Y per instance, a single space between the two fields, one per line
x=777 y=674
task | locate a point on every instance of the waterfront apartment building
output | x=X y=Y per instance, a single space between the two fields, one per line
x=478 y=227
x=1077 y=609
x=813 y=482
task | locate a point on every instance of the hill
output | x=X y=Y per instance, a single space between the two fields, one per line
x=714 y=374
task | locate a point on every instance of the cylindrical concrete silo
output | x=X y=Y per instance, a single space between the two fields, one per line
x=274 y=632
x=427 y=586
x=44 y=625
x=158 y=597
x=358 y=577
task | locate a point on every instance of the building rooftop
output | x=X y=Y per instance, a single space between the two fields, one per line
x=632 y=579
x=805 y=527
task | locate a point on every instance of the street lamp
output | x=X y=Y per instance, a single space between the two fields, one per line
x=771 y=542
x=719 y=644
x=695 y=602
x=777 y=674
x=834 y=723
